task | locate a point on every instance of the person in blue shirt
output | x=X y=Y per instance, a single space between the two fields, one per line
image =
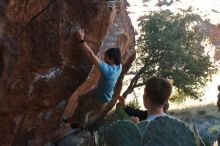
x=97 y=99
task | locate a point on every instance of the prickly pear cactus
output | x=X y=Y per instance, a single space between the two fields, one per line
x=168 y=131
x=163 y=131
x=124 y=133
x=143 y=127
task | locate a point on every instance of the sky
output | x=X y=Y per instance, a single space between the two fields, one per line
x=208 y=10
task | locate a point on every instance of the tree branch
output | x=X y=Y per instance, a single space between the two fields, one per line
x=134 y=81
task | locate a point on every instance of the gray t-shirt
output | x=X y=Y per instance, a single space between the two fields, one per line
x=152 y=117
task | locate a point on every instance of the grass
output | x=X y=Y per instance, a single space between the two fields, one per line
x=206 y=117
x=192 y=113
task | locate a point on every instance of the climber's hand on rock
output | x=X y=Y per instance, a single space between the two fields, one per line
x=80 y=34
x=134 y=119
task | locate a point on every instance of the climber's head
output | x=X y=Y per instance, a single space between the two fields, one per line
x=113 y=56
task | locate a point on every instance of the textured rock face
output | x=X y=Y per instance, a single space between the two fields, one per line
x=2 y=65
x=2 y=16
x=51 y=67
x=8 y=53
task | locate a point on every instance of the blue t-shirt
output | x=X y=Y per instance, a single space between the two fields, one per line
x=107 y=81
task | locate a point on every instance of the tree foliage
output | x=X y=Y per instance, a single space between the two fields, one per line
x=169 y=46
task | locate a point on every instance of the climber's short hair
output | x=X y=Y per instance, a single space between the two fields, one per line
x=115 y=54
x=218 y=87
x=158 y=90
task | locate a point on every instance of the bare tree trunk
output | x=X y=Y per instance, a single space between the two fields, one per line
x=134 y=81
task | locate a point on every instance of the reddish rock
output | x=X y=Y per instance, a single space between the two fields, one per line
x=8 y=53
x=51 y=67
x=213 y=33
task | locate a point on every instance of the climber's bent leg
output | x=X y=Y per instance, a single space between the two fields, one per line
x=92 y=115
x=75 y=119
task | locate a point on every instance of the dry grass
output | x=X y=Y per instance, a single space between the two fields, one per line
x=206 y=117
x=192 y=113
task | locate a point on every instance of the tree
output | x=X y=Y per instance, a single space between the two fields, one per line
x=169 y=46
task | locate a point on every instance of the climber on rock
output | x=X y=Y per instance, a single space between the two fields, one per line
x=96 y=100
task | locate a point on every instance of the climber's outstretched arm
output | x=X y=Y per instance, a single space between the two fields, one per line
x=86 y=49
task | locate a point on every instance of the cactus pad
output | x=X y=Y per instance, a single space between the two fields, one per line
x=168 y=131
x=123 y=133
x=163 y=131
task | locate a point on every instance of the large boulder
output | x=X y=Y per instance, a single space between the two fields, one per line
x=51 y=70
x=8 y=53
